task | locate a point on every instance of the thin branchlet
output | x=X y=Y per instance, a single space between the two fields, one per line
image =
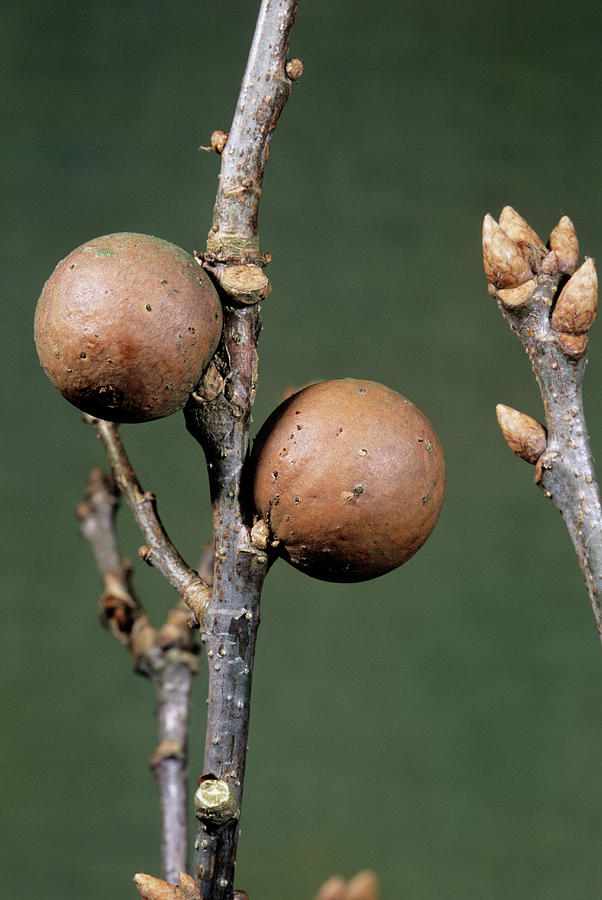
x=565 y=466
x=159 y=551
x=168 y=656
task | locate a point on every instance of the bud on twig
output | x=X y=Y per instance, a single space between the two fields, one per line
x=363 y=886
x=333 y=889
x=166 y=750
x=505 y=265
x=563 y=241
x=151 y=888
x=294 y=68
x=260 y=534
x=512 y=298
x=576 y=307
x=518 y=229
x=549 y=264
x=219 y=139
x=188 y=887
x=211 y=385
x=525 y=437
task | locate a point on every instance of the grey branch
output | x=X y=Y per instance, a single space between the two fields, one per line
x=120 y=609
x=168 y=656
x=221 y=424
x=159 y=551
x=172 y=669
x=264 y=91
x=551 y=316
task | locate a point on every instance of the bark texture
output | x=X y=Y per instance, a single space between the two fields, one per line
x=168 y=656
x=219 y=418
x=565 y=470
x=551 y=314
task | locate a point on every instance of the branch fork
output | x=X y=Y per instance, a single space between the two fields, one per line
x=224 y=606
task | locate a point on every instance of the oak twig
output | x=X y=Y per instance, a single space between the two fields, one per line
x=220 y=421
x=264 y=90
x=159 y=551
x=172 y=666
x=168 y=656
x=218 y=415
x=551 y=305
x=120 y=609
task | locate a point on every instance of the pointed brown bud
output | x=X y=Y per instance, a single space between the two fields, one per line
x=525 y=437
x=219 y=139
x=188 y=887
x=518 y=296
x=519 y=229
x=577 y=304
x=151 y=888
x=333 y=889
x=210 y=386
x=563 y=241
x=505 y=265
x=363 y=886
x=573 y=345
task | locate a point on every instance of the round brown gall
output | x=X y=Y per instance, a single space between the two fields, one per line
x=350 y=477
x=126 y=325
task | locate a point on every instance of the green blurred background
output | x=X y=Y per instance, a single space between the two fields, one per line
x=440 y=725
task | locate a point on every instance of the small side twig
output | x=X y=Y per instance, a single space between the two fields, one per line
x=550 y=304
x=158 y=551
x=120 y=609
x=172 y=663
x=168 y=656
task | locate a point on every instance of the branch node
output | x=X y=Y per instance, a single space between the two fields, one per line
x=210 y=387
x=166 y=750
x=145 y=553
x=219 y=139
x=197 y=599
